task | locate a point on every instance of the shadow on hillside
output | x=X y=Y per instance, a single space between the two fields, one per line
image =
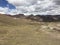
x=39 y=18
x=45 y=18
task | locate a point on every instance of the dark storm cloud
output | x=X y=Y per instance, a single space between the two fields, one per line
x=57 y=2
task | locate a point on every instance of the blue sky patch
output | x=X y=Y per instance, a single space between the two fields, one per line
x=4 y=3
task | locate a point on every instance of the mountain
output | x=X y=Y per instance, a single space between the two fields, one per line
x=39 y=18
x=16 y=30
x=12 y=20
x=17 y=16
x=45 y=18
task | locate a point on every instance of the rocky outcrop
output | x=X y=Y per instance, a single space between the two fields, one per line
x=41 y=18
x=45 y=18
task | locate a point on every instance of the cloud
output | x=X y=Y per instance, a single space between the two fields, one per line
x=6 y=10
x=57 y=2
x=22 y=2
x=3 y=10
x=34 y=7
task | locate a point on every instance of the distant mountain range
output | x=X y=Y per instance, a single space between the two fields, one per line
x=40 y=18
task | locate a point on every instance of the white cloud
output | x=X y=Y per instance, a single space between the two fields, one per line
x=33 y=7
x=6 y=10
x=3 y=10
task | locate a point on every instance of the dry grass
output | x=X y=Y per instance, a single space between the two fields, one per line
x=24 y=32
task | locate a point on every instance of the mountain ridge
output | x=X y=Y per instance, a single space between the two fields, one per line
x=39 y=18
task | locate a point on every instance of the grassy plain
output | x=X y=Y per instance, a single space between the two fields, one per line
x=27 y=32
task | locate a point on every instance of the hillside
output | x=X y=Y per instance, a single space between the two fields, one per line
x=22 y=31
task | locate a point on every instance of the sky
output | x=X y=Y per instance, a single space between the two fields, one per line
x=42 y=7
